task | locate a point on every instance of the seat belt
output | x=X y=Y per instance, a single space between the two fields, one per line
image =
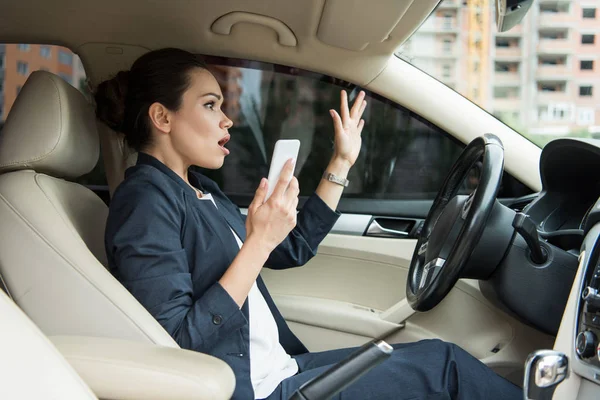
x=3 y=287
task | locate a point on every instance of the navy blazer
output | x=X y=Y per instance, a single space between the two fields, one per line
x=170 y=250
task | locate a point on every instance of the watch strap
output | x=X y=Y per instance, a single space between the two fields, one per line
x=335 y=179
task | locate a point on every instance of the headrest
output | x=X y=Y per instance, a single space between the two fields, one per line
x=51 y=129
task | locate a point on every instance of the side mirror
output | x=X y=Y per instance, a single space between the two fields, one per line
x=510 y=12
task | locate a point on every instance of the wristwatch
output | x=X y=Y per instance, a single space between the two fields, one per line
x=335 y=179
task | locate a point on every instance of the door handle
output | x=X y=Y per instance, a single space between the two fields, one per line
x=375 y=229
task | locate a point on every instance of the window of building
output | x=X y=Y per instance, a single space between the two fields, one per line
x=19 y=87
x=554 y=34
x=448 y=21
x=65 y=58
x=589 y=12
x=586 y=65
x=552 y=60
x=554 y=7
x=506 y=92
x=588 y=39
x=501 y=67
x=504 y=42
x=446 y=71
x=68 y=78
x=556 y=113
x=22 y=68
x=585 y=116
x=552 y=87
x=23 y=47
x=45 y=51
x=585 y=91
x=447 y=45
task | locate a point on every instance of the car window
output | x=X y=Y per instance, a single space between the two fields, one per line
x=403 y=156
x=538 y=77
x=19 y=60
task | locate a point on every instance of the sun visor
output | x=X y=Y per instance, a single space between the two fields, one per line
x=355 y=24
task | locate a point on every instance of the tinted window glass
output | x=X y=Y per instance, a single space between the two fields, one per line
x=402 y=156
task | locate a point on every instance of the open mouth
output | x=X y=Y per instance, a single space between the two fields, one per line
x=224 y=140
x=222 y=143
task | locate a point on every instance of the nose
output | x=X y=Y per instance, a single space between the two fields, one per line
x=226 y=123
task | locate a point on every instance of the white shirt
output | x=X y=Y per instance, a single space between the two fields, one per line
x=269 y=363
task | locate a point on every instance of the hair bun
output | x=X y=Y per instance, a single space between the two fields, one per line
x=110 y=100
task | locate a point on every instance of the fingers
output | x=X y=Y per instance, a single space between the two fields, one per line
x=337 y=120
x=363 y=106
x=352 y=117
x=284 y=179
x=259 y=196
x=291 y=194
x=344 y=107
x=358 y=105
x=361 y=125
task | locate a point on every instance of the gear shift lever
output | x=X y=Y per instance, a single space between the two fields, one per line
x=544 y=371
x=526 y=228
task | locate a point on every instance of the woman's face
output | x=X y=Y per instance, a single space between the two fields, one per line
x=199 y=127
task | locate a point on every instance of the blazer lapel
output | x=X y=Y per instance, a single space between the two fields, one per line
x=234 y=220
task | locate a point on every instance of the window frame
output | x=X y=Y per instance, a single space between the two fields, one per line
x=61 y=57
x=45 y=55
x=581 y=62
x=24 y=71
x=582 y=89
x=583 y=11
x=584 y=35
x=585 y=116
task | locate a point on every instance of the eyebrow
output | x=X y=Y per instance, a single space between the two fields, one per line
x=211 y=94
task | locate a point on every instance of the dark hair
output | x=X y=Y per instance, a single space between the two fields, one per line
x=158 y=76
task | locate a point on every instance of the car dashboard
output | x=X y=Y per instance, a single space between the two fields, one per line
x=567 y=215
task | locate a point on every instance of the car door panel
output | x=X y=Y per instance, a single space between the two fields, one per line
x=353 y=290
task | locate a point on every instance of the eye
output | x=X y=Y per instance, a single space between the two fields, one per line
x=210 y=105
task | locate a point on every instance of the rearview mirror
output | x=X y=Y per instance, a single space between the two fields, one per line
x=510 y=12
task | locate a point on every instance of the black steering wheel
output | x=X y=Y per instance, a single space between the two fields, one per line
x=454 y=225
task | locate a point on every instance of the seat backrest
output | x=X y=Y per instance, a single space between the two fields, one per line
x=30 y=366
x=52 y=254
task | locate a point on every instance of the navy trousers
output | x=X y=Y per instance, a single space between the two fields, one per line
x=429 y=369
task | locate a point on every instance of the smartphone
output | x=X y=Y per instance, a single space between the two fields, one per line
x=284 y=150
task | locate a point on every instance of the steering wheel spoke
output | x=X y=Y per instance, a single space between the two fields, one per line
x=430 y=271
x=423 y=248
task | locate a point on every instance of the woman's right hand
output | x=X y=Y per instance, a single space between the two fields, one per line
x=268 y=223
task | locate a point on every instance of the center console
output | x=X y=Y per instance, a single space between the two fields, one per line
x=586 y=347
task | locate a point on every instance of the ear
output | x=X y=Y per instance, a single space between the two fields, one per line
x=160 y=117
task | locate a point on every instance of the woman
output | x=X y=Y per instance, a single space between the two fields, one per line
x=184 y=250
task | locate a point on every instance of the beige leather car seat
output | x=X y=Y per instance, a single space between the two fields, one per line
x=52 y=254
x=30 y=366
x=34 y=367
